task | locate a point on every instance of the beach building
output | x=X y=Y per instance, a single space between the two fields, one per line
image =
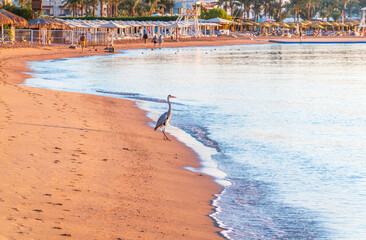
x=55 y=8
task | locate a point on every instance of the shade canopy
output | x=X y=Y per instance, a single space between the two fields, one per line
x=48 y=23
x=111 y=25
x=176 y=25
x=219 y=20
x=283 y=24
x=247 y=23
x=7 y=17
x=316 y=25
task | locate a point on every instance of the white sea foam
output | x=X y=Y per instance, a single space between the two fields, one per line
x=209 y=166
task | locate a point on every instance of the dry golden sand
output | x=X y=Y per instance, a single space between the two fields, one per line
x=88 y=167
x=77 y=166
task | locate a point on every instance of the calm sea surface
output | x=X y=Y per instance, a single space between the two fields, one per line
x=282 y=127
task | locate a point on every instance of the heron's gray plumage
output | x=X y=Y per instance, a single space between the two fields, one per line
x=161 y=121
x=165 y=118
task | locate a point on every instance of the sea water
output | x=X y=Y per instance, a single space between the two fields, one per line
x=281 y=127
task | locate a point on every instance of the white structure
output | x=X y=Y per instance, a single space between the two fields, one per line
x=192 y=14
x=180 y=4
x=363 y=16
x=362 y=25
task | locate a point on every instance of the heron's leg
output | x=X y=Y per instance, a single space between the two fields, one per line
x=165 y=136
x=162 y=130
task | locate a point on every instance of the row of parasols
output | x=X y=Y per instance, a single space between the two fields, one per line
x=94 y=24
x=302 y=24
x=7 y=17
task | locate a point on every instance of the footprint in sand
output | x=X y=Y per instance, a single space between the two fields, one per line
x=65 y=235
x=55 y=204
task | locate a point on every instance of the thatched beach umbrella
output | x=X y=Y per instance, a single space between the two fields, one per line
x=275 y=24
x=247 y=24
x=46 y=22
x=316 y=26
x=335 y=24
x=324 y=24
x=284 y=25
x=7 y=17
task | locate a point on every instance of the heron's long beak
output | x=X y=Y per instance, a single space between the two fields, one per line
x=173 y=97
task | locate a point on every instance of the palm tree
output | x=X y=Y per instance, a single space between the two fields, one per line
x=223 y=3
x=257 y=8
x=166 y=5
x=295 y=7
x=247 y=7
x=335 y=14
x=280 y=10
x=311 y=4
x=94 y=5
x=130 y=6
x=22 y=3
x=74 y=4
x=268 y=7
x=232 y=4
x=151 y=6
x=326 y=8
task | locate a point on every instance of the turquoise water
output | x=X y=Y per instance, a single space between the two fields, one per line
x=282 y=128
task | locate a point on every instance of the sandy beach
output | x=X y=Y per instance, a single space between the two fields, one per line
x=77 y=166
x=88 y=167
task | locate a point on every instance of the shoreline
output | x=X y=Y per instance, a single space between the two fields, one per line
x=33 y=118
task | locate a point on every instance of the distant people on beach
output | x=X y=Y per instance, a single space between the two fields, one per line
x=160 y=41
x=82 y=42
x=155 y=40
x=145 y=37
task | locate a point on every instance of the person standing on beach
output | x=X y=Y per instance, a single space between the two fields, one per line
x=155 y=41
x=82 y=42
x=160 y=41
x=145 y=37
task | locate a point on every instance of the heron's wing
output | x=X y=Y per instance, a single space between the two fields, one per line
x=161 y=120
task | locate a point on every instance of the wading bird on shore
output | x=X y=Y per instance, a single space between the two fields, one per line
x=164 y=119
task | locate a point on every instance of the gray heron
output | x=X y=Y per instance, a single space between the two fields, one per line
x=164 y=119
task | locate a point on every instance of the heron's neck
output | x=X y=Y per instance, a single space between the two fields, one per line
x=170 y=107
